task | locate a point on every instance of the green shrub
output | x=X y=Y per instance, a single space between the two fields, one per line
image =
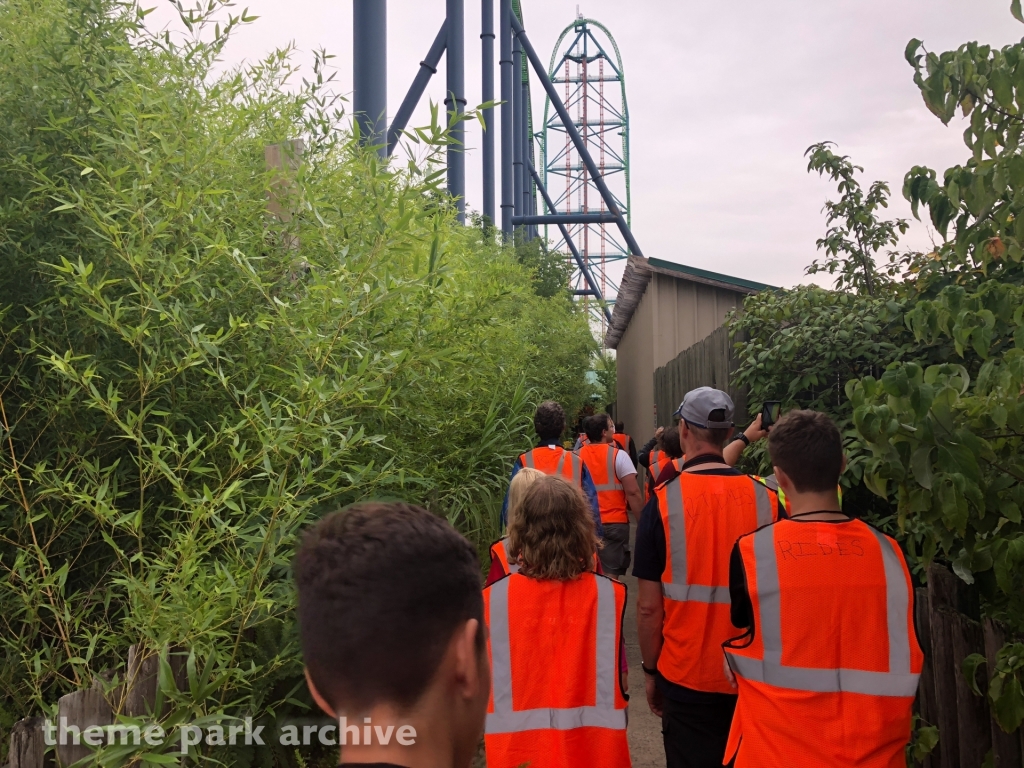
x=188 y=380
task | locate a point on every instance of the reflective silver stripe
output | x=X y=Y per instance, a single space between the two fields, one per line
x=501 y=651
x=555 y=719
x=679 y=588
x=898 y=681
x=768 y=598
x=612 y=453
x=614 y=485
x=577 y=469
x=602 y=715
x=528 y=460
x=513 y=567
x=561 y=463
x=606 y=650
x=764 y=504
x=698 y=593
x=897 y=607
x=825 y=680
x=677 y=536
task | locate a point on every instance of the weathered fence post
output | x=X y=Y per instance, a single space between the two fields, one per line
x=1006 y=747
x=975 y=732
x=942 y=606
x=283 y=160
x=81 y=711
x=926 y=704
x=141 y=682
x=28 y=747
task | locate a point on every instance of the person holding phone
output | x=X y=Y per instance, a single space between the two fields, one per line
x=683 y=542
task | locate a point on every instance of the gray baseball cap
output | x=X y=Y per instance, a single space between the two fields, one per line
x=699 y=405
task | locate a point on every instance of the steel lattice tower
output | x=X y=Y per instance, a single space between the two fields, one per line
x=594 y=86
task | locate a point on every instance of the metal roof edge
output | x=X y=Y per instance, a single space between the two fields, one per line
x=675 y=269
x=638 y=274
x=631 y=290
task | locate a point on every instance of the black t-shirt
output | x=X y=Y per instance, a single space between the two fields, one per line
x=649 y=564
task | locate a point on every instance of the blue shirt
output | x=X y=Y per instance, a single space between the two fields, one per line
x=588 y=490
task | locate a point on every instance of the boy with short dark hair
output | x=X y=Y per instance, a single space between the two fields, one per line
x=391 y=624
x=551 y=458
x=828 y=668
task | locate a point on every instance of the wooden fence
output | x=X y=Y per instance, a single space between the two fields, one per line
x=710 y=362
x=950 y=629
x=133 y=696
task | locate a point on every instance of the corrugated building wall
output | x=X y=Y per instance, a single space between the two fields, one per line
x=663 y=308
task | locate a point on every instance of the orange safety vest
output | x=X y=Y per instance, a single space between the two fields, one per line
x=599 y=459
x=554 y=460
x=655 y=457
x=830 y=673
x=556 y=697
x=703 y=515
x=622 y=440
x=656 y=468
x=499 y=552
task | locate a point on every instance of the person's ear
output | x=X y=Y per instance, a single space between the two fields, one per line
x=470 y=668
x=728 y=437
x=785 y=484
x=842 y=467
x=320 y=700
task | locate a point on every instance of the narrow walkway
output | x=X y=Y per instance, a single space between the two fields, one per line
x=645 y=745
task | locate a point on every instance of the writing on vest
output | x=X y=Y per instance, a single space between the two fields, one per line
x=833 y=638
x=599 y=459
x=703 y=515
x=554 y=460
x=549 y=684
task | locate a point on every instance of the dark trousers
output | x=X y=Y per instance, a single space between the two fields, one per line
x=696 y=733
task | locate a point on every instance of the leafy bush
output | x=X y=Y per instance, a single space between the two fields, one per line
x=189 y=380
x=932 y=364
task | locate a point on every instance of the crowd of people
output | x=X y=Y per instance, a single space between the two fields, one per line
x=775 y=627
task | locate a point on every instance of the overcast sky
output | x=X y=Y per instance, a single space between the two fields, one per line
x=723 y=97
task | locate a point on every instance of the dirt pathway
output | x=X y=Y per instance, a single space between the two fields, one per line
x=645 y=745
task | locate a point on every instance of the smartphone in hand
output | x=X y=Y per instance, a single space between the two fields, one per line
x=770 y=413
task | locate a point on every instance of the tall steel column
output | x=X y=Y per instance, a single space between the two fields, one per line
x=487 y=93
x=428 y=68
x=518 y=122
x=456 y=103
x=370 y=70
x=526 y=140
x=507 y=169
